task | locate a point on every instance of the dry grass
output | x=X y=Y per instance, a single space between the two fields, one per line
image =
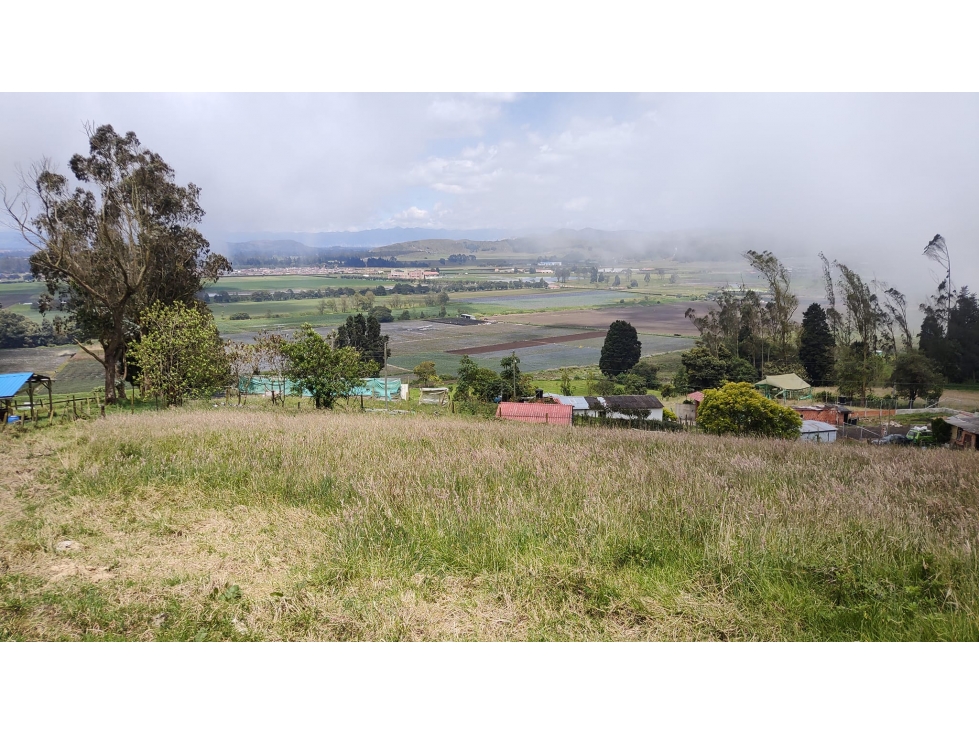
x=250 y=524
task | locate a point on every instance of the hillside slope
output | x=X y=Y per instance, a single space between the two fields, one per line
x=241 y=524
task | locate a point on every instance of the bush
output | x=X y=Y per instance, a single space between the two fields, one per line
x=239 y=316
x=941 y=430
x=740 y=409
x=633 y=384
x=405 y=316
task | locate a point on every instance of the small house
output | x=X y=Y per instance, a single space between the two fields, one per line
x=818 y=431
x=627 y=407
x=965 y=431
x=835 y=414
x=551 y=413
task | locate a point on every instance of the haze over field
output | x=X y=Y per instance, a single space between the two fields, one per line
x=862 y=177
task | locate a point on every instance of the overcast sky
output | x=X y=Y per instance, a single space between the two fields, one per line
x=845 y=173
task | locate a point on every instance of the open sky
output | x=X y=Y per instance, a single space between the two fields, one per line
x=873 y=174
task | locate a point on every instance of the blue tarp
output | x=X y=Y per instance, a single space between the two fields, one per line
x=12 y=382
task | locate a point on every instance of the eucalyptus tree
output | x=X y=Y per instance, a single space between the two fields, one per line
x=783 y=303
x=121 y=240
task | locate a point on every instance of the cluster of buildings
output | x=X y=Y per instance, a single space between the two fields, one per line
x=405 y=274
x=561 y=409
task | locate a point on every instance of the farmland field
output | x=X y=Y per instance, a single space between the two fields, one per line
x=250 y=283
x=516 y=300
x=45 y=360
x=344 y=526
x=666 y=318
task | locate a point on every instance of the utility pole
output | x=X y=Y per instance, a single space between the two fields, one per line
x=513 y=366
x=386 y=397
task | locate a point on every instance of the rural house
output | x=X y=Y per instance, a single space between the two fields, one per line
x=965 y=431
x=552 y=413
x=627 y=407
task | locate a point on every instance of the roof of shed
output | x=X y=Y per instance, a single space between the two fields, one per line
x=790 y=381
x=817 y=427
x=12 y=382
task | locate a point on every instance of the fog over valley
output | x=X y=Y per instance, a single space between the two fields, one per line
x=866 y=178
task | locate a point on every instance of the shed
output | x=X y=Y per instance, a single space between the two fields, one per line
x=965 y=431
x=687 y=410
x=12 y=383
x=434 y=396
x=553 y=413
x=818 y=431
x=835 y=414
x=789 y=386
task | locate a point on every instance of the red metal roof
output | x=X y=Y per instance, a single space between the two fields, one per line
x=697 y=397
x=535 y=413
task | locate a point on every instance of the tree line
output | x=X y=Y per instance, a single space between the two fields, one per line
x=860 y=340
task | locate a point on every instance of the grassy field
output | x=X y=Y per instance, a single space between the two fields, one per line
x=225 y=523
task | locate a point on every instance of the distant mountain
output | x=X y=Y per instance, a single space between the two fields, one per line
x=367 y=238
x=268 y=248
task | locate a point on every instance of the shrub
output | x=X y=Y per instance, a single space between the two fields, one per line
x=740 y=409
x=239 y=316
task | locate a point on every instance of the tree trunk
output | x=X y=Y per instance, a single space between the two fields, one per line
x=110 y=375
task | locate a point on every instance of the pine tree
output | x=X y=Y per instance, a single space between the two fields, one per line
x=816 y=345
x=622 y=349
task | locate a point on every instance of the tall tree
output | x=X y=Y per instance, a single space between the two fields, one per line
x=621 y=350
x=963 y=334
x=180 y=354
x=783 y=303
x=321 y=370
x=364 y=335
x=120 y=242
x=914 y=375
x=897 y=306
x=937 y=251
x=816 y=345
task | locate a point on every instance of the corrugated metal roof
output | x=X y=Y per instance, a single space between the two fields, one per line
x=697 y=397
x=817 y=427
x=12 y=382
x=966 y=422
x=632 y=402
x=575 y=401
x=535 y=413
